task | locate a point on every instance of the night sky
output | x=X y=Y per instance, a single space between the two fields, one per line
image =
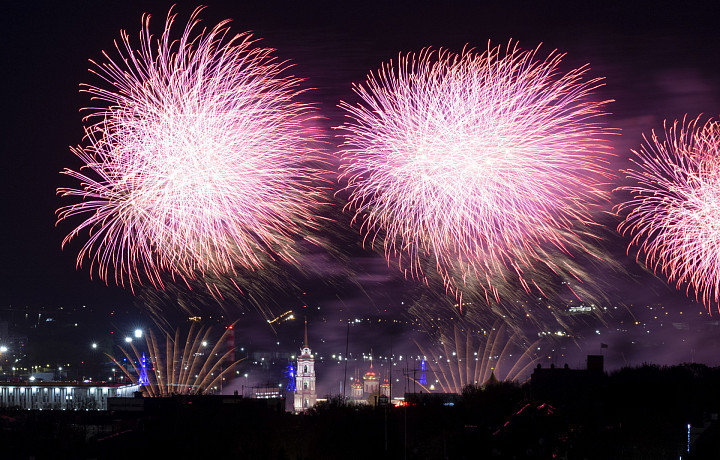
x=659 y=59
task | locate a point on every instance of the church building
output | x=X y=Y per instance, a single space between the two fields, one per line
x=368 y=388
x=305 y=394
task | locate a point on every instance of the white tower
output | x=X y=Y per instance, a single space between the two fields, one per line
x=305 y=395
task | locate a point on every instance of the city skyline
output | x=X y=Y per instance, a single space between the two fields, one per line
x=657 y=64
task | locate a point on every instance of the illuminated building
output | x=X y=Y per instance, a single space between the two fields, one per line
x=369 y=388
x=61 y=396
x=371 y=382
x=305 y=395
x=356 y=389
x=385 y=388
x=267 y=392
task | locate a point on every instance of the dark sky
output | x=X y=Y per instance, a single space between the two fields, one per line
x=660 y=60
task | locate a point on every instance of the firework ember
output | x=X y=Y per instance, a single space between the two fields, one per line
x=674 y=212
x=197 y=158
x=477 y=166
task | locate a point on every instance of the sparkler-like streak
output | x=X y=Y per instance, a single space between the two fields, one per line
x=209 y=294
x=458 y=362
x=184 y=366
x=674 y=209
x=198 y=158
x=485 y=166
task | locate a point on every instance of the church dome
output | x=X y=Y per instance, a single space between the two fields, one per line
x=370 y=375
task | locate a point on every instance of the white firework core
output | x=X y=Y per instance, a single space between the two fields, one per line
x=477 y=163
x=198 y=159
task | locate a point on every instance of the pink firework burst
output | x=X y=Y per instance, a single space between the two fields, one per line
x=477 y=164
x=198 y=158
x=674 y=212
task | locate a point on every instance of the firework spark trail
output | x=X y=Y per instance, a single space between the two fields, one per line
x=197 y=158
x=458 y=362
x=674 y=209
x=187 y=367
x=477 y=162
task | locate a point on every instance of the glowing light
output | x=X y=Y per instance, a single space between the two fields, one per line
x=674 y=209
x=196 y=158
x=486 y=166
x=138 y=333
x=290 y=377
x=423 y=373
x=283 y=317
x=142 y=377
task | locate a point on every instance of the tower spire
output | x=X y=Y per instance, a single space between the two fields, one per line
x=306 y=340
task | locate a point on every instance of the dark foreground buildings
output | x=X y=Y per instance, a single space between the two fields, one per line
x=648 y=412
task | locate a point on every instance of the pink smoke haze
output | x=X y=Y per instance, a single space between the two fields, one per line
x=673 y=215
x=474 y=164
x=196 y=158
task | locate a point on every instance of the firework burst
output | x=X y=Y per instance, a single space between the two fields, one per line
x=674 y=209
x=458 y=362
x=198 y=158
x=485 y=166
x=184 y=366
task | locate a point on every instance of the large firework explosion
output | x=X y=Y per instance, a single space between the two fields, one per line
x=674 y=209
x=486 y=166
x=186 y=365
x=198 y=158
x=459 y=361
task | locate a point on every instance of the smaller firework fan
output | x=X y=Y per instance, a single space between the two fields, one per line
x=459 y=361
x=186 y=365
x=673 y=214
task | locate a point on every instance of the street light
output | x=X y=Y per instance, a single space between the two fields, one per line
x=128 y=339
x=138 y=333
